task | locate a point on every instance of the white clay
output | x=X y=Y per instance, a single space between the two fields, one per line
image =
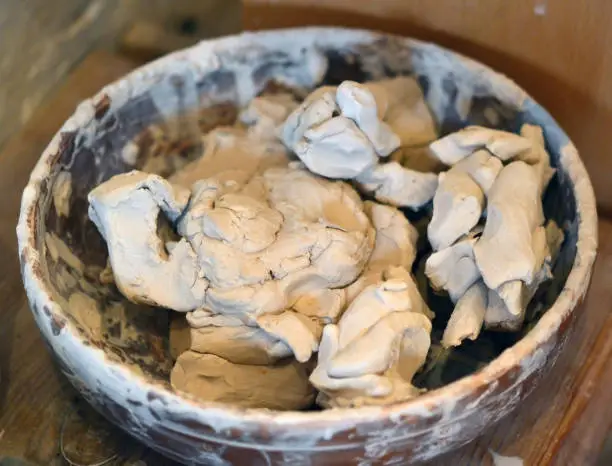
x=348 y=145
x=236 y=343
x=405 y=110
x=394 y=248
x=417 y=302
x=272 y=263
x=125 y=211
x=357 y=103
x=317 y=107
x=323 y=304
x=456 y=146
x=460 y=198
x=505 y=252
x=266 y=250
x=202 y=318
x=507 y=304
x=297 y=331
x=263 y=115
x=515 y=293
x=224 y=227
x=336 y=148
x=537 y=155
x=372 y=304
x=381 y=340
x=512 y=255
x=341 y=146
x=377 y=366
x=230 y=151
x=482 y=167
x=280 y=258
x=527 y=147
x=281 y=386
x=395 y=237
x=467 y=317
x=457 y=207
x=512 y=294
x=332 y=146
x=380 y=374
x=453 y=269
x=354 y=388
x=393 y=184
x=284 y=241
x=498 y=317
x=357 y=357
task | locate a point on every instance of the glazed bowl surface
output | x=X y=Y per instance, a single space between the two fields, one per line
x=116 y=353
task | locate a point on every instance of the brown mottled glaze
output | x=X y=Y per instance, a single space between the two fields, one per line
x=122 y=368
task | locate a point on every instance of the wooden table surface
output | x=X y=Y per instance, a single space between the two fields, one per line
x=564 y=422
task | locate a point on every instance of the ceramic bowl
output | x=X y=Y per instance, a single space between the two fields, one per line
x=116 y=353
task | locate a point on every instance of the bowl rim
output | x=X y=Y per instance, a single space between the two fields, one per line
x=529 y=354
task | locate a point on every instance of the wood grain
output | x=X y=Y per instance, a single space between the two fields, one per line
x=563 y=423
x=579 y=434
x=558 y=50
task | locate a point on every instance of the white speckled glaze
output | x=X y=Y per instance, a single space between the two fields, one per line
x=131 y=395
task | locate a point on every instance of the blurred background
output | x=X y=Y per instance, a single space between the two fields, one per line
x=41 y=41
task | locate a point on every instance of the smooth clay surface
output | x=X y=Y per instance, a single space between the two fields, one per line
x=123 y=369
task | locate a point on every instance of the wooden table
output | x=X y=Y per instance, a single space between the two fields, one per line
x=564 y=422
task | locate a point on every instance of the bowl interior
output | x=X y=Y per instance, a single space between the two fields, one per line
x=159 y=130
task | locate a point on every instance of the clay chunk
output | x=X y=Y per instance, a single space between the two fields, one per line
x=393 y=184
x=125 y=209
x=457 y=207
x=283 y=386
x=456 y=146
x=468 y=316
x=490 y=272
x=350 y=131
x=378 y=345
x=233 y=341
x=514 y=210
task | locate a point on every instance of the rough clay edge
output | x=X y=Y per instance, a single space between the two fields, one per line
x=525 y=354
